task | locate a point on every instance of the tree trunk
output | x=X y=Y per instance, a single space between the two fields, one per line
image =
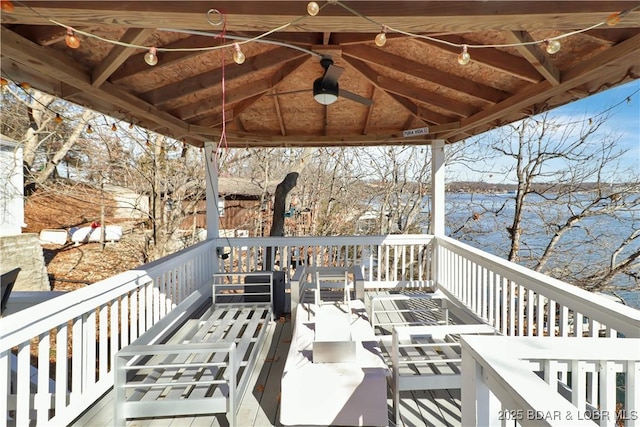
x=279 y=206
x=50 y=167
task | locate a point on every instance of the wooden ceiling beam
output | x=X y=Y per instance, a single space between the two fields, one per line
x=424 y=72
x=493 y=58
x=241 y=139
x=365 y=127
x=45 y=35
x=422 y=16
x=535 y=55
x=624 y=55
x=119 y=54
x=59 y=66
x=426 y=97
x=213 y=78
x=136 y=63
x=258 y=87
x=211 y=123
x=276 y=105
x=374 y=78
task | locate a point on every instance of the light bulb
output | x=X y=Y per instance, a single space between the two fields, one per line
x=7 y=6
x=381 y=38
x=238 y=55
x=25 y=85
x=71 y=39
x=613 y=19
x=58 y=118
x=3 y=82
x=553 y=46
x=313 y=8
x=89 y=129
x=150 y=57
x=464 y=57
x=114 y=127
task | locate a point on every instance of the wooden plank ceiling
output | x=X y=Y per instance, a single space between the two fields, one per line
x=414 y=82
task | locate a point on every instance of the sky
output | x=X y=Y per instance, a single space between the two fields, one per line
x=624 y=122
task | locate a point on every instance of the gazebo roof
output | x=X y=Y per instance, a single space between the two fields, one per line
x=414 y=80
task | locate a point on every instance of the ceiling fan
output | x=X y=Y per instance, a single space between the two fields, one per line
x=326 y=89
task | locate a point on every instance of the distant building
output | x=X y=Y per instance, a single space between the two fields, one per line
x=11 y=187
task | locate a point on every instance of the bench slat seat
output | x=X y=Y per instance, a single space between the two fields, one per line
x=199 y=357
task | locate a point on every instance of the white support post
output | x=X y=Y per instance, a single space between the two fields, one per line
x=437 y=204
x=437 y=187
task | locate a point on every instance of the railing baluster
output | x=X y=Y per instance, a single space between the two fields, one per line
x=103 y=343
x=43 y=402
x=90 y=323
x=512 y=308
x=632 y=393
x=62 y=339
x=23 y=384
x=578 y=385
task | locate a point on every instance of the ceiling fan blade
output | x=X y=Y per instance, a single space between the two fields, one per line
x=332 y=74
x=355 y=97
x=289 y=92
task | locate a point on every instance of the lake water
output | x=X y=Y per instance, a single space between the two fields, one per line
x=481 y=220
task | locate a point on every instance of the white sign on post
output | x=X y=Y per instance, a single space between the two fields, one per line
x=415 y=132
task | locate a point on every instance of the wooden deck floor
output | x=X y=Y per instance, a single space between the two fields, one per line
x=260 y=405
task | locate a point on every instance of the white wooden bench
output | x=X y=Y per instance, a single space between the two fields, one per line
x=428 y=357
x=197 y=359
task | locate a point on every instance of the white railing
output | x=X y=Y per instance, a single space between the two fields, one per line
x=520 y=302
x=73 y=338
x=386 y=260
x=90 y=325
x=526 y=381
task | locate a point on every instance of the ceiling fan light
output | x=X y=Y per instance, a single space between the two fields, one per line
x=325 y=93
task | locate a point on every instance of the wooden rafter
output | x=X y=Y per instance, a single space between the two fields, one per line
x=493 y=58
x=534 y=55
x=625 y=53
x=43 y=60
x=423 y=72
x=249 y=90
x=119 y=54
x=168 y=93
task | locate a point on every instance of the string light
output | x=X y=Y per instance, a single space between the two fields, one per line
x=464 y=57
x=7 y=6
x=150 y=57
x=3 y=81
x=71 y=39
x=381 y=38
x=238 y=55
x=58 y=118
x=25 y=85
x=552 y=46
x=313 y=8
x=89 y=129
x=114 y=127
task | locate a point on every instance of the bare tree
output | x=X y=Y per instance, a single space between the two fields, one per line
x=566 y=191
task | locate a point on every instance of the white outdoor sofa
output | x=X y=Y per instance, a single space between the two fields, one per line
x=198 y=359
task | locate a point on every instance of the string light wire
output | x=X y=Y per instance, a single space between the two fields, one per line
x=261 y=37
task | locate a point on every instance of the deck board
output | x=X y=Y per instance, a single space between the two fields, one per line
x=260 y=405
